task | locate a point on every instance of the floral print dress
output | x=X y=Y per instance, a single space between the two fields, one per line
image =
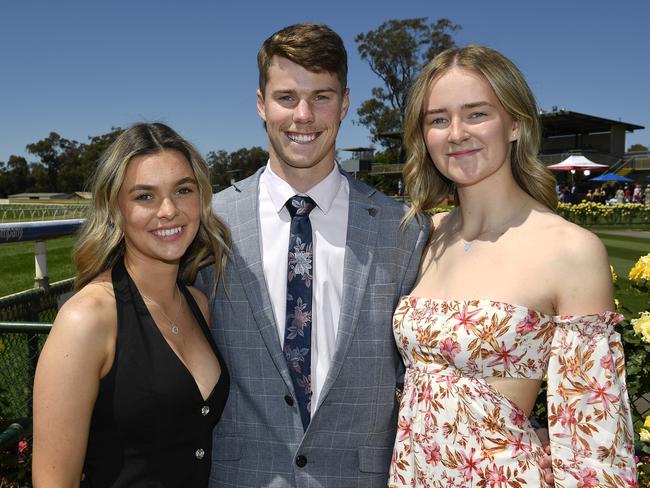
x=456 y=430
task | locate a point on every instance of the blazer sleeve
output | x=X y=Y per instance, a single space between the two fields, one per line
x=417 y=235
x=590 y=424
x=203 y=280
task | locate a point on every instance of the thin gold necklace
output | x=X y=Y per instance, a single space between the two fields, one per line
x=172 y=323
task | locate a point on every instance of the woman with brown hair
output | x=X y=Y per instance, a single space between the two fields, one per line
x=130 y=383
x=508 y=292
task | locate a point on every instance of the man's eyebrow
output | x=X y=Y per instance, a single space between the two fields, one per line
x=182 y=181
x=315 y=92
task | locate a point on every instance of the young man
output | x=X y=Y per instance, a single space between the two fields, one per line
x=303 y=316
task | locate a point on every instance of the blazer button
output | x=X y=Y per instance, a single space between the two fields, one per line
x=301 y=461
x=289 y=400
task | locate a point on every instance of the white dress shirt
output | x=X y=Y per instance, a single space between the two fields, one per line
x=329 y=222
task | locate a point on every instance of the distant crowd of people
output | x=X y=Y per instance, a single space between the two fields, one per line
x=609 y=196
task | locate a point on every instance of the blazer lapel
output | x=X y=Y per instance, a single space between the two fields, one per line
x=363 y=223
x=247 y=260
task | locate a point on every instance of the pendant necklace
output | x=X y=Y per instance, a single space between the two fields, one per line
x=172 y=323
x=468 y=245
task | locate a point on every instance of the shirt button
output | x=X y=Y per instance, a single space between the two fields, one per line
x=289 y=400
x=199 y=454
x=301 y=461
x=205 y=410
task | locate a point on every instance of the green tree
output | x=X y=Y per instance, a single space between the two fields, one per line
x=248 y=160
x=59 y=157
x=219 y=163
x=15 y=176
x=65 y=165
x=89 y=156
x=637 y=147
x=396 y=52
x=5 y=188
x=40 y=178
x=237 y=165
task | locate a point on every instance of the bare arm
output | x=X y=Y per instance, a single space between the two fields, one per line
x=582 y=286
x=584 y=289
x=78 y=352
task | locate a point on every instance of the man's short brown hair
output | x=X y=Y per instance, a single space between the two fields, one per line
x=315 y=47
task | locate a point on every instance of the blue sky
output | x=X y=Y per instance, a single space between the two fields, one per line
x=81 y=67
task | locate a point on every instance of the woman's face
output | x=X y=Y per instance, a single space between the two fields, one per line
x=160 y=206
x=467 y=132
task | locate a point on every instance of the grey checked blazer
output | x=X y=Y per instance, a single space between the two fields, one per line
x=259 y=440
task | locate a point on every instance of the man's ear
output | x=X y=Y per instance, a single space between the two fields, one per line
x=261 y=111
x=345 y=103
x=514 y=133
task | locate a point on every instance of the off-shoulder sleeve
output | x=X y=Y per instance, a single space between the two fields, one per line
x=591 y=434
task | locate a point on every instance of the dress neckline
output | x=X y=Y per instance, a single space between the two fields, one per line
x=489 y=301
x=188 y=296
x=198 y=316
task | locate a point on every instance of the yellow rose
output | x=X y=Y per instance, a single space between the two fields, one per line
x=641 y=270
x=2 y=347
x=617 y=305
x=644 y=435
x=614 y=275
x=647 y=421
x=642 y=326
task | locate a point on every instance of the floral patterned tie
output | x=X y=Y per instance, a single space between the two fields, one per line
x=297 y=330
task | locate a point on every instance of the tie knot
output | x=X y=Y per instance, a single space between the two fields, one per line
x=300 y=206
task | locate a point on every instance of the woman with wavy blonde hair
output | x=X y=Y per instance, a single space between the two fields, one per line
x=130 y=382
x=100 y=242
x=508 y=292
x=426 y=185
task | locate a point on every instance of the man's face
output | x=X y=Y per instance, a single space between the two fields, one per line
x=302 y=111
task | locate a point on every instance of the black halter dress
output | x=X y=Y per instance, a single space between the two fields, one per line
x=150 y=426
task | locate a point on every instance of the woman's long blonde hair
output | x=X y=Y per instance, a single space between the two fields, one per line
x=425 y=185
x=101 y=240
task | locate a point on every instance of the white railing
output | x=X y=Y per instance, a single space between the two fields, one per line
x=39 y=232
x=26 y=212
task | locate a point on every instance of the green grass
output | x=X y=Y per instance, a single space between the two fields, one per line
x=623 y=252
x=17 y=260
x=17 y=264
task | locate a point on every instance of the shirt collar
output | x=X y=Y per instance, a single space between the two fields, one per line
x=323 y=193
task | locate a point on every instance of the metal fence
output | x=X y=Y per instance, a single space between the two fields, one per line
x=25 y=320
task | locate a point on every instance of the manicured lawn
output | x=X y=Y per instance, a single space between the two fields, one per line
x=17 y=264
x=623 y=252
x=17 y=261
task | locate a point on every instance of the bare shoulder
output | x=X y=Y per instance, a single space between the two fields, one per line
x=438 y=219
x=201 y=300
x=576 y=265
x=568 y=241
x=90 y=312
x=440 y=231
x=84 y=331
